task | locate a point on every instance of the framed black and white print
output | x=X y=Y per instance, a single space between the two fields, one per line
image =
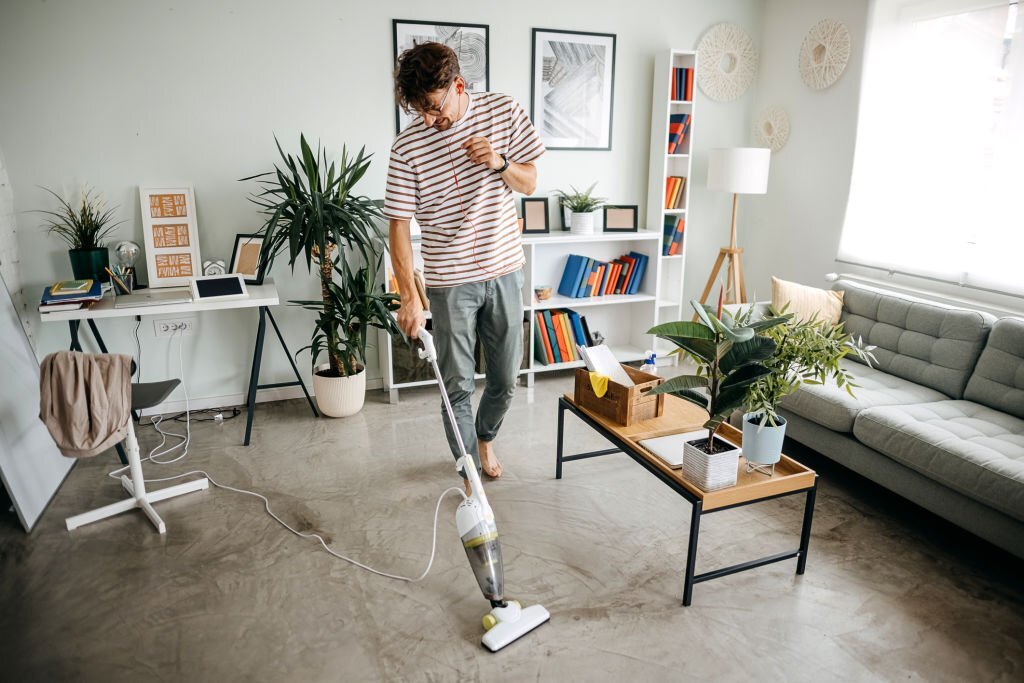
x=620 y=217
x=535 y=215
x=470 y=42
x=573 y=84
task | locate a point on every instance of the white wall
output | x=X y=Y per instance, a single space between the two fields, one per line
x=123 y=93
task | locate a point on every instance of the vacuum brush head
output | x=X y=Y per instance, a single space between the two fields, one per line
x=507 y=624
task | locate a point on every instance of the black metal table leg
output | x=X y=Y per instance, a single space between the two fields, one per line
x=96 y=335
x=291 y=360
x=805 y=533
x=558 y=451
x=76 y=344
x=254 y=375
x=691 y=553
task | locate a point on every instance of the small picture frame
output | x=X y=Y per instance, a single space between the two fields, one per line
x=535 y=215
x=620 y=217
x=247 y=258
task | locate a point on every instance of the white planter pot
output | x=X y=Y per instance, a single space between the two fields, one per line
x=762 y=445
x=339 y=396
x=711 y=472
x=582 y=223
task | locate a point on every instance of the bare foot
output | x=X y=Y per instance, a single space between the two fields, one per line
x=488 y=460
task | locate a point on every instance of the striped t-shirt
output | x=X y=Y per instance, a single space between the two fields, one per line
x=465 y=210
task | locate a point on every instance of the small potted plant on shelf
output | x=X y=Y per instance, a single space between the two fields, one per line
x=581 y=206
x=84 y=228
x=730 y=356
x=806 y=352
x=313 y=214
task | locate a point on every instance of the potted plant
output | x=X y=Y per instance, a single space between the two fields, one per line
x=84 y=228
x=313 y=214
x=730 y=356
x=582 y=206
x=806 y=352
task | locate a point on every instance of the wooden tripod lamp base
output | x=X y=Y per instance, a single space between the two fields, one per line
x=732 y=256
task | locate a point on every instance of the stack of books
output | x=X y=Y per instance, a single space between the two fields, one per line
x=557 y=335
x=675 y=196
x=678 y=129
x=672 y=243
x=682 y=83
x=70 y=295
x=586 y=277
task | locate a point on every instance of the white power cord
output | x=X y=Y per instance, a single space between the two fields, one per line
x=186 y=439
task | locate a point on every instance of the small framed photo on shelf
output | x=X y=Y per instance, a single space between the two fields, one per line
x=171 y=235
x=246 y=258
x=535 y=216
x=620 y=217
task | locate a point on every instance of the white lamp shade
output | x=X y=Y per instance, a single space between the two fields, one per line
x=740 y=170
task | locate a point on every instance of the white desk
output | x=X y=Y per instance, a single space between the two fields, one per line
x=260 y=296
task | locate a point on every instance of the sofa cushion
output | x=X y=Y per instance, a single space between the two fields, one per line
x=968 y=447
x=925 y=342
x=998 y=378
x=806 y=303
x=830 y=406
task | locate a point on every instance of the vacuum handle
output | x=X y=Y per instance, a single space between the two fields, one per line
x=425 y=345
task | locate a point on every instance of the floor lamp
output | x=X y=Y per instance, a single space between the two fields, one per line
x=740 y=170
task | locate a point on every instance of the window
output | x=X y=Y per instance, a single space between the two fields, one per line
x=938 y=174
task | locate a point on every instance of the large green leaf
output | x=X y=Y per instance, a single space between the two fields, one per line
x=753 y=350
x=678 y=383
x=682 y=328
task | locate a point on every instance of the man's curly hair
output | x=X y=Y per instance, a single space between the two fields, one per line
x=422 y=69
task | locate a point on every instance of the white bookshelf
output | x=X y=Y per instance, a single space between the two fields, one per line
x=623 y=320
x=662 y=165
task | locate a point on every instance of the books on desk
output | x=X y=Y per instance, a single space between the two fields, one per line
x=70 y=295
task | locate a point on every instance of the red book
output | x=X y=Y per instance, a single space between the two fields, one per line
x=668 y=191
x=544 y=337
x=689 y=85
x=560 y=336
x=630 y=263
x=613 y=272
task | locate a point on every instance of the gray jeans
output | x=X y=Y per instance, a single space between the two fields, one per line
x=491 y=311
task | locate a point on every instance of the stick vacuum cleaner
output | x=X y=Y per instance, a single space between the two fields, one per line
x=508 y=620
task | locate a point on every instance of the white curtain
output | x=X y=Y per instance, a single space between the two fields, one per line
x=938 y=175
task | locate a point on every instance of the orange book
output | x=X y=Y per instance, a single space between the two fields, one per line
x=630 y=262
x=610 y=279
x=570 y=338
x=589 y=290
x=680 y=194
x=560 y=336
x=668 y=191
x=673 y=249
x=544 y=337
x=688 y=95
x=598 y=280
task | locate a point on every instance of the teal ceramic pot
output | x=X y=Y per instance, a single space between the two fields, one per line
x=762 y=445
x=90 y=263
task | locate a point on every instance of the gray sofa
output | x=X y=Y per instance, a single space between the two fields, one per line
x=939 y=419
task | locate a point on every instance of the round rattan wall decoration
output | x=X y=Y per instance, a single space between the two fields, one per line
x=772 y=128
x=824 y=53
x=726 y=62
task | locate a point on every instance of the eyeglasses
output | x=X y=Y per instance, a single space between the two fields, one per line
x=435 y=111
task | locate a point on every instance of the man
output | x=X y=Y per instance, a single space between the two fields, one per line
x=454 y=170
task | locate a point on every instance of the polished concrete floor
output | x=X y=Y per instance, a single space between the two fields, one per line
x=890 y=593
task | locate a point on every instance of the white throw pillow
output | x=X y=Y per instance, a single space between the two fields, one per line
x=806 y=302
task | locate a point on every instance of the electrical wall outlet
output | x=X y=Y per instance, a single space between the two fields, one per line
x=169 y=327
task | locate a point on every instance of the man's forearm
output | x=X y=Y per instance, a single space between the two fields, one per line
x=521 y=177
x=401 y=257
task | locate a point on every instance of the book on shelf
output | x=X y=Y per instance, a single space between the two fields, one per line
x=63 y=306
x=678 y=128
x=94 y=293
x=675 y=192
x=549 y=330
x=682 y=83
x=584 y=277
x=66 y=287
x=558 y=335
x=672 y=236
x=540 y=353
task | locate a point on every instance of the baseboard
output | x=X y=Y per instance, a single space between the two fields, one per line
x=229 y=400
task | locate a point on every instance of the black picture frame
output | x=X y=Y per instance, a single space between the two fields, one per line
x=632 y=226
x=527 y=230
x=468 y=53
x=537 y=93
x=260 y=268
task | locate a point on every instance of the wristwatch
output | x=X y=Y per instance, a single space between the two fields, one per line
x=503 y=168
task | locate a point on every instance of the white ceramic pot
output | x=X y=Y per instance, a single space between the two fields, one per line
x=711 y=472
x=762 y=445
x=339 y=396
x=582 y=223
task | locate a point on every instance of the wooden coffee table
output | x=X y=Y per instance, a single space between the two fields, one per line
x=679 y=416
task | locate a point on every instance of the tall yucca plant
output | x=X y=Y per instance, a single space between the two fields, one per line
x=729 y=357
x=313 y=214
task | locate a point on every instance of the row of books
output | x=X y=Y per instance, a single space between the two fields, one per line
x=682 y=83
x=672 y=243
x=70 y=295
x=585 y=277
x=556 y=335
x=678 y=129
x=675 y=195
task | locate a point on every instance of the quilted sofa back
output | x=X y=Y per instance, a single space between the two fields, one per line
x=998 y=378
x=928 y=343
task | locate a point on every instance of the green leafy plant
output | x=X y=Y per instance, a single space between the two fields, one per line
x=580 y=202
x=312 y=213
x=84 y=227
x=729 y=355
x=806 y=352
